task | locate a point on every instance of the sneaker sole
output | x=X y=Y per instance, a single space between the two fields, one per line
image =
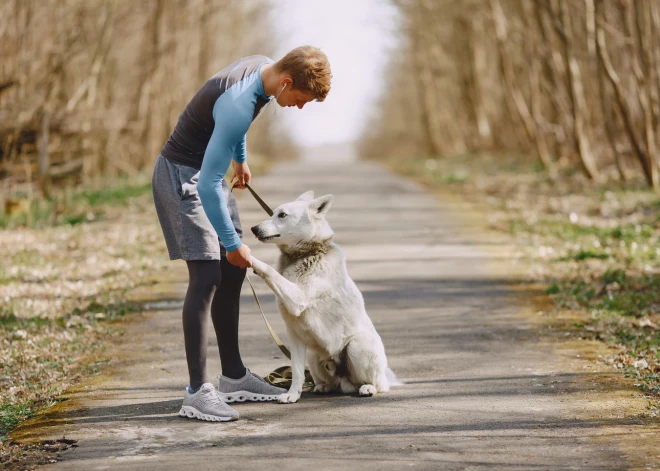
x=192 y=413
x=242 y=396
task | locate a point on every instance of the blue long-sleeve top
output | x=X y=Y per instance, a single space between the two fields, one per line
x=212 y=131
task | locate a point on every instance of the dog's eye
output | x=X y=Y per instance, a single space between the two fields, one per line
x=281 y=215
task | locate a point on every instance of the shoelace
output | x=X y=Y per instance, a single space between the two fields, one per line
x=214 y=399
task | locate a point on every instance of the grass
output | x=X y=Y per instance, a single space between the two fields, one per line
x=92 y=312
x=12 y=414
x=47 y=350
x=72 y=260
x=9 y=322
x=78 y=206
x=115 y=196
x=595 y=246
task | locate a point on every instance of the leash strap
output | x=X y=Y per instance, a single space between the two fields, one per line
x=282 y=376
x=279 y=342
x=273 y=334
x=256 y=197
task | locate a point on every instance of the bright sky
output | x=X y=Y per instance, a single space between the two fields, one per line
x=356 y=35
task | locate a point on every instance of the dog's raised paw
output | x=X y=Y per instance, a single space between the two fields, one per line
x=257 y=266
x=367 y=390
x=288 y=398
x=322 y=388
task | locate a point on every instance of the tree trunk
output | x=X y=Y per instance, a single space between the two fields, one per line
x=516 y=96
x=556 y=85
x=635 y=38
x=43 y=163
x=606 y=104
x=431 y=120
x=477 y=65
x=580 y=112
x=203 y=41
x=622 y=103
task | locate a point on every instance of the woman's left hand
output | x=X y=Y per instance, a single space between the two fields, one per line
x=241 y=175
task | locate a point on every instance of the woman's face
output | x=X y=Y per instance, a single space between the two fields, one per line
x=292 y=97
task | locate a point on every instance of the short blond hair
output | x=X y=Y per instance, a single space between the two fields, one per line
x=309 y=69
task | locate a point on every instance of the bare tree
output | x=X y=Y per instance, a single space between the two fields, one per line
x=517 y=99
x=577 y=82
x=93 y=88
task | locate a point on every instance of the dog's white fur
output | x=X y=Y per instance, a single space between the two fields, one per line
x=323 y=310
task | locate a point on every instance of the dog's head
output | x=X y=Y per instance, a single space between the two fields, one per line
x=300 y=221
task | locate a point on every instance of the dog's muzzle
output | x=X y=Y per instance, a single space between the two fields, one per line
x=258 y=234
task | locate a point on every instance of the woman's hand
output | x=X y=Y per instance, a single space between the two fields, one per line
x=241 y=174
x=240 y=257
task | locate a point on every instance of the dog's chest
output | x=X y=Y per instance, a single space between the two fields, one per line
x=318 y=326
x=300 y=270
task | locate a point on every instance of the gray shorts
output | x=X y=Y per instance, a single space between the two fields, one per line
x=188 y=232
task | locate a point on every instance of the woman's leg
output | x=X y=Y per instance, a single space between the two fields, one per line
x=224 y=312
x=204 y=278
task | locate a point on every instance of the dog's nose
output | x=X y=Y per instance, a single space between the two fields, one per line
x=255 y=230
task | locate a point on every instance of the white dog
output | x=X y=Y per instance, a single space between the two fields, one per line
x=322 y=308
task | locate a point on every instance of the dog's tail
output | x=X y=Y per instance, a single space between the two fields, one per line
x=391 y=378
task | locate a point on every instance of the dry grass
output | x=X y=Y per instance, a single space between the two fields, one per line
x=72 y=263
x=65 y=282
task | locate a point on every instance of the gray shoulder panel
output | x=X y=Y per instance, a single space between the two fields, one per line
x=187 y=143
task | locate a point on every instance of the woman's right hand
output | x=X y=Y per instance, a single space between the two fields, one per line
x=240 y=257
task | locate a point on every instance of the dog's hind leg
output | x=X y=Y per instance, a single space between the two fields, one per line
x=366 y=365
x=367 y=390
x=346 y=386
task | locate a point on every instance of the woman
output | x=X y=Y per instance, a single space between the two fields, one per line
x=200 y=219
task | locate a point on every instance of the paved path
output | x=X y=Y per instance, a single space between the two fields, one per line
x=482 y=388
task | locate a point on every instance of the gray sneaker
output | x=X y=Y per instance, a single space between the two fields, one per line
x=206 y=404
x=248 y=388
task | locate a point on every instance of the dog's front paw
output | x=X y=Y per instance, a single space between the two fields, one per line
x=367 y=390
x=289 y=398
x=257 y=266
x=322 y=388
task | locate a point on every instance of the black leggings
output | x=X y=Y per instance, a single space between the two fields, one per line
x=215 y=284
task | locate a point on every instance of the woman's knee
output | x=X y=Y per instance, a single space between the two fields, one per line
x=205 y=275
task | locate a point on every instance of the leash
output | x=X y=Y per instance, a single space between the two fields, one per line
x=282 y=376
x=273 y=334
x=261 y=202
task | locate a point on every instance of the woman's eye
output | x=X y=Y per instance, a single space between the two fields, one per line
x=281 y=215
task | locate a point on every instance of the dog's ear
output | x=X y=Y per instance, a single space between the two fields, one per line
x=321 y=205
x=306 y=196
